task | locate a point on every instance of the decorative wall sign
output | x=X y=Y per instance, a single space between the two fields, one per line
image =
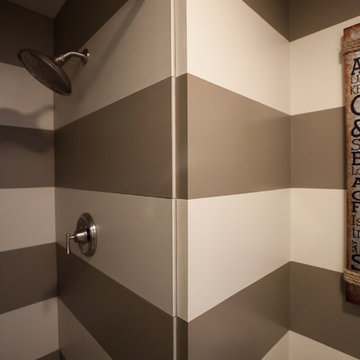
x=351 y=52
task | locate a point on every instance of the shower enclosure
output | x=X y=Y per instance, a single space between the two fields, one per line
x=185 y=200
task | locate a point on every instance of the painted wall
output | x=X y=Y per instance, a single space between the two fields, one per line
x=317 y=307
x=113 y=151
x=228 y=95
x=234 y=242
x=28 y=304
x=261 y=180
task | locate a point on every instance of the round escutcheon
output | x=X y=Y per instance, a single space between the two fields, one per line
x=86 y=223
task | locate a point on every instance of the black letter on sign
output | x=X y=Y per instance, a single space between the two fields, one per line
x=353 y=108
x=354 y=259
x=355 y=195
x=356 y=182
x=356 y=66
x=355 y=158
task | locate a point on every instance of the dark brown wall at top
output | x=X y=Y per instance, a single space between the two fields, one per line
x=309 y=16
x=122 y=148
x=26 y=157
x=78 y=20
x=318 y=309
x=275 y=12
x=23 y=28
x=27 y=276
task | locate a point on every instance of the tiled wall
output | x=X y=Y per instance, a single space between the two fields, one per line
x=113 y=151
x=28 y=305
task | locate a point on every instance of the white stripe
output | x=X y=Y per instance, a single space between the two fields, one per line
x=27 y=217
x=234 y=241
x=134 y=239
x=230 y=45
x=317 y=70
x=318 y=228
x=23 y=100
x=29 y=332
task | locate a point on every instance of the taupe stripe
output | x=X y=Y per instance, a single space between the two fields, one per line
x=319 y=311
x=23 y=28
x=78 y=20
x=122 y=148
x=235 y=145
x=181 y=92
x=74 y=340
x=53 y=356
x=27 y=276
x=124 y=324
x=318 y=149
x=26 y=157
x=308 y=16
x=247 y=325
x=182 y=351
x=276 y=13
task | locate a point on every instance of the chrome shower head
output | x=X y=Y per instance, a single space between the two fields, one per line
x=49 y=71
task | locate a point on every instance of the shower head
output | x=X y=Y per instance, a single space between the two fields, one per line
x=49 y=71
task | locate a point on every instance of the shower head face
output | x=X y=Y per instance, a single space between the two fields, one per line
x=46 y=71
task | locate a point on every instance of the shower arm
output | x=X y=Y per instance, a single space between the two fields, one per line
x=63 y=59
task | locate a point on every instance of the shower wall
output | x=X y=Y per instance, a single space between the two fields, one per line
x=113 y=149
x=28 y=306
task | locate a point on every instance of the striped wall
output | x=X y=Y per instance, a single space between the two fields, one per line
x=113 y=159
x=200 y=124
x=261 y=214
x=293 y=346
x=234 y=176
x=28 y=304
x=317 y=302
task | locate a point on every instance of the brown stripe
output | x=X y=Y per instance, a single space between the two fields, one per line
x=78 y=20
x=122 y=148
x=53 y=356
x=235 y=145
x=23 y=28
x=276 y=13
x=75 y=341
x=318 y=149
x=26 y=157
x=319 y=311
x=182 y=332
x=181 y=92
x=309 y=16
x=247 y=325
x=27 y=276
x=124 y=324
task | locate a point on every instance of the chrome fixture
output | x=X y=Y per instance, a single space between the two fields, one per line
x=85 y=235
x=49 y=71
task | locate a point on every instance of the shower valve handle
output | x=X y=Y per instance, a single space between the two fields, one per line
x=80 y=238
x=85 y=235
